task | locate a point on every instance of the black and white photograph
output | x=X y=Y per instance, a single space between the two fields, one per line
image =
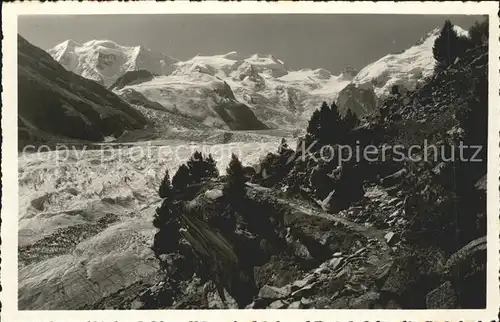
x=247 y=162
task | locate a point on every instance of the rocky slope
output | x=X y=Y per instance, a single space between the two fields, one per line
x=55 y=102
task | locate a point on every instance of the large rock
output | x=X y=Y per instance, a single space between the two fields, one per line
x=274 y=293
x=305 y=291
x=131 y=78
x=391 y=238
x=458 y=262
x=442 y=297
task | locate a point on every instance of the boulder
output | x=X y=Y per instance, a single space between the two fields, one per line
x=305 y=291
x=295 y=305
x=393 y=178
x=274 y=293
x=334 y=263
x=279 y=304
x=214 y=194
x=305 y=303
x=391 y=238
x=466 y=269
x=461 y=259
x=298 y=284
x=442 y=297
x=412 y=276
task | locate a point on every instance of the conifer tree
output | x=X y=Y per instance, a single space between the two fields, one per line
x=165 y=189
x=479 y=32
x=181 y=178
x=350 y=120
x=395 y=90
x=313 y=125
x=211 y=170
x=235 y=177
x=201 y=168
x=334 y=128
x=327 y=122
x=448 y=46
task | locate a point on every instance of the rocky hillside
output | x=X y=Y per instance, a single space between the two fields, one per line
x=301 y=231
x=54 y=102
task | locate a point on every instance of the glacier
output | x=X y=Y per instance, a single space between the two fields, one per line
x=85 y=216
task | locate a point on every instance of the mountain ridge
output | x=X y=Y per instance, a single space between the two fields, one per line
x=280 y=97
x=56 y=102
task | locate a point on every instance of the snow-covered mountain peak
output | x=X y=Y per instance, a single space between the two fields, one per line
x=406 y=68
x=233 y=55
x=105 y=60
x=349 y=73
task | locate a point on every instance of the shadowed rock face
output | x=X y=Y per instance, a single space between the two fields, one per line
x=239 y=117
x=361 y=100
x=56 y=102
x=131 y=78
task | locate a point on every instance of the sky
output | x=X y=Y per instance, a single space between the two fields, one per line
x=329 y=41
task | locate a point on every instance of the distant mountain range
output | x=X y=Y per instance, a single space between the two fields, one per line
x=228 y=91
x=279 y=97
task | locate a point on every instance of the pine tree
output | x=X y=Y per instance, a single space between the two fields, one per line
x=326 y=123
x=448 y=46
x=334 y=129
x=350 y=120
x=313 y=125
x=334 y=114
x=165 y=189
x=201 y=168
x=479 y=32
x=181 y=178
x=211 y=170
x=235 y=177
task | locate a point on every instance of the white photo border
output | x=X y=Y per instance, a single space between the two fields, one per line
x=9 y=227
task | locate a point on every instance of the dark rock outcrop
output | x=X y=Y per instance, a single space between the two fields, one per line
x=360 y=100
x=131 y=78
